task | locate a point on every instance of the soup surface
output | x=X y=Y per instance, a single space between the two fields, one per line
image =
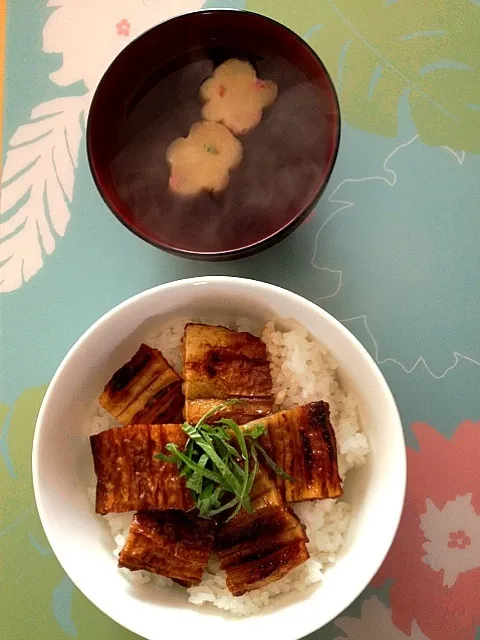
x=284 y=158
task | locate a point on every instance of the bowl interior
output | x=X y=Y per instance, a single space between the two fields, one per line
x=149 y=97
x=62 y=466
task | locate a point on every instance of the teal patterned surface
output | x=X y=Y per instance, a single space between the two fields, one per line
x=392 y=250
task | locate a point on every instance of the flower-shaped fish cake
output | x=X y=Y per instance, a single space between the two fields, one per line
x=235 y=96
x=202 y=161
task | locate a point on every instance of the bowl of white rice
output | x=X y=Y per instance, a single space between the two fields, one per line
x=313 y=357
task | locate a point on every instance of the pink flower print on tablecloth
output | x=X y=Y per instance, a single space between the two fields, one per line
x=459 y=540
x=123 y=28
x=107 y=26
x=434 y=563
x=374 y=623
x=448 y=548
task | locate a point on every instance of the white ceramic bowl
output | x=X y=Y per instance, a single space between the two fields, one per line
x=62 y=463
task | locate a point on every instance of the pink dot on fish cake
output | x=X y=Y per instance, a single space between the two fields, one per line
x=234 y=96
x=173 y=181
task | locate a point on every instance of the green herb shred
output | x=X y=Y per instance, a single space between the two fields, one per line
x=220 y=463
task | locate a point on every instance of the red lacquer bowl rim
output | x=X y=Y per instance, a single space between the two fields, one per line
x=281 y=232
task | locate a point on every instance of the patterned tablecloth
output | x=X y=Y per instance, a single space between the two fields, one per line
x=393 y=250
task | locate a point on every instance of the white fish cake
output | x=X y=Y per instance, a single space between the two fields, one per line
x=203 y=160
x=236 y=97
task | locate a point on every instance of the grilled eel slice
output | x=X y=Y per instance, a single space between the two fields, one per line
x=128 y=476
x=146 y=390
x=260 y=548
x=220 y=364
x=173 y=544
x=302 y=442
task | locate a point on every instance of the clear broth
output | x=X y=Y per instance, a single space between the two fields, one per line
x=284 y=158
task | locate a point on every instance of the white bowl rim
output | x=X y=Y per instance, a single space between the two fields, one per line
x=304 y=626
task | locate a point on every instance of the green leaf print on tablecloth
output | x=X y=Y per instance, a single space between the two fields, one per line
x=379 y=50
x=16 y=429
x=56 y=610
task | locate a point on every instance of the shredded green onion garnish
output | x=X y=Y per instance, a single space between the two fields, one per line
x=220 y=463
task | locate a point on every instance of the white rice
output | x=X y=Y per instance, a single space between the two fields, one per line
x=303 y=371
